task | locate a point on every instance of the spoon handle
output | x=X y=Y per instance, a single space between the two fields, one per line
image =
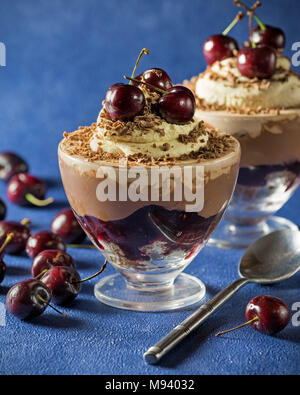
x=155 y=353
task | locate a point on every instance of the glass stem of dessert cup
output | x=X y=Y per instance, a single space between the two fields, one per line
x=150 y=242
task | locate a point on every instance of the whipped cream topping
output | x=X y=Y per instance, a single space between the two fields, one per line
x=167 y=138
x=148 y=135
x=223 y=85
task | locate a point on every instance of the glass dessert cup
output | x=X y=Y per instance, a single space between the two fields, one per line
x=149 y=242
x=268 y=177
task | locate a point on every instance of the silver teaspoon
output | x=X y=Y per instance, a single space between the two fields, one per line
x=271 y=259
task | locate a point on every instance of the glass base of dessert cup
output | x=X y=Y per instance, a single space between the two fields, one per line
x=116 y=291
x=231 y=236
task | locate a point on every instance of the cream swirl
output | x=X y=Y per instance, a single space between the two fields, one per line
x=223 y=85
x=169 y=139
x=148 y=134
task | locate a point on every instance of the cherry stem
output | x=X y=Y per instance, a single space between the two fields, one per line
x=8 y=239
x=52 y=307
x=253 y=8
x=94 y=275
x=238 y=18
x=38 y=202
x=256 y=318
x=147 y=84
x=143 y=51
x=25 y=221
x=91 y=246
x=41 y=274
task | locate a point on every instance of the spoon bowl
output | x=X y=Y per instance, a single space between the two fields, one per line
x=273 y=258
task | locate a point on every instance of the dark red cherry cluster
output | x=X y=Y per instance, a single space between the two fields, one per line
x=259 y=58
x=125 y=101
x=22 y=187
x=55 y=277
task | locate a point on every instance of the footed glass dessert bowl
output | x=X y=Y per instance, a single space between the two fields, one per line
x=150 y=241
x=268 y=177
x=263 y=113
x=149 y=183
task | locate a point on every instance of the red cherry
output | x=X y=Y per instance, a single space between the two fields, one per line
x=273 y=314
x=219 y=47
x=48 y=259
x=272 y=36
x=44 y=240
x=65 y=225
x=156 y=77
x=10 y=165
x=24 y=188
x=64 y=284
x=266 y=314
x=28 y=299
x=123 y=102
x=178 y=105
x=257 y=62
x=21 y=234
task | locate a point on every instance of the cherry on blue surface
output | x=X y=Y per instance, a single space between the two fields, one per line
x=123 y=102
x=11 y=164
x=63 y=283
x=21 y=234
x=65 y=225
x=44 y=240
x=273 y=314
x=28 y=299
x=24 y=188
x=48 y=259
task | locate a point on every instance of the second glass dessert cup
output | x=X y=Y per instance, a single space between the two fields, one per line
x=268 y=177
x=149 y=241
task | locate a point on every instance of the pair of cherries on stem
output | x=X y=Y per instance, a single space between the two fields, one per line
x=125 y=101
x=55 y=278
x=259 y=60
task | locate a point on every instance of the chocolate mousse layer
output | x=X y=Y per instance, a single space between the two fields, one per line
x=134 y=234
x=79 y=169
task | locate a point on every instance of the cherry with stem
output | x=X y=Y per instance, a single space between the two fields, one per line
x=123 y=102
x=24 y=188
x=64 y=283
x=266 y=314
x=29 y=299
x=220 y=46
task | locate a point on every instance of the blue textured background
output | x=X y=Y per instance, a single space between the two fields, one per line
x=61 y=57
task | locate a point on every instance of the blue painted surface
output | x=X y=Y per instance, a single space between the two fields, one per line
x=61 y=58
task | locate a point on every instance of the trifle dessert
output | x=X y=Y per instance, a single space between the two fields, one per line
x=254 y=95
x=149 y=184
